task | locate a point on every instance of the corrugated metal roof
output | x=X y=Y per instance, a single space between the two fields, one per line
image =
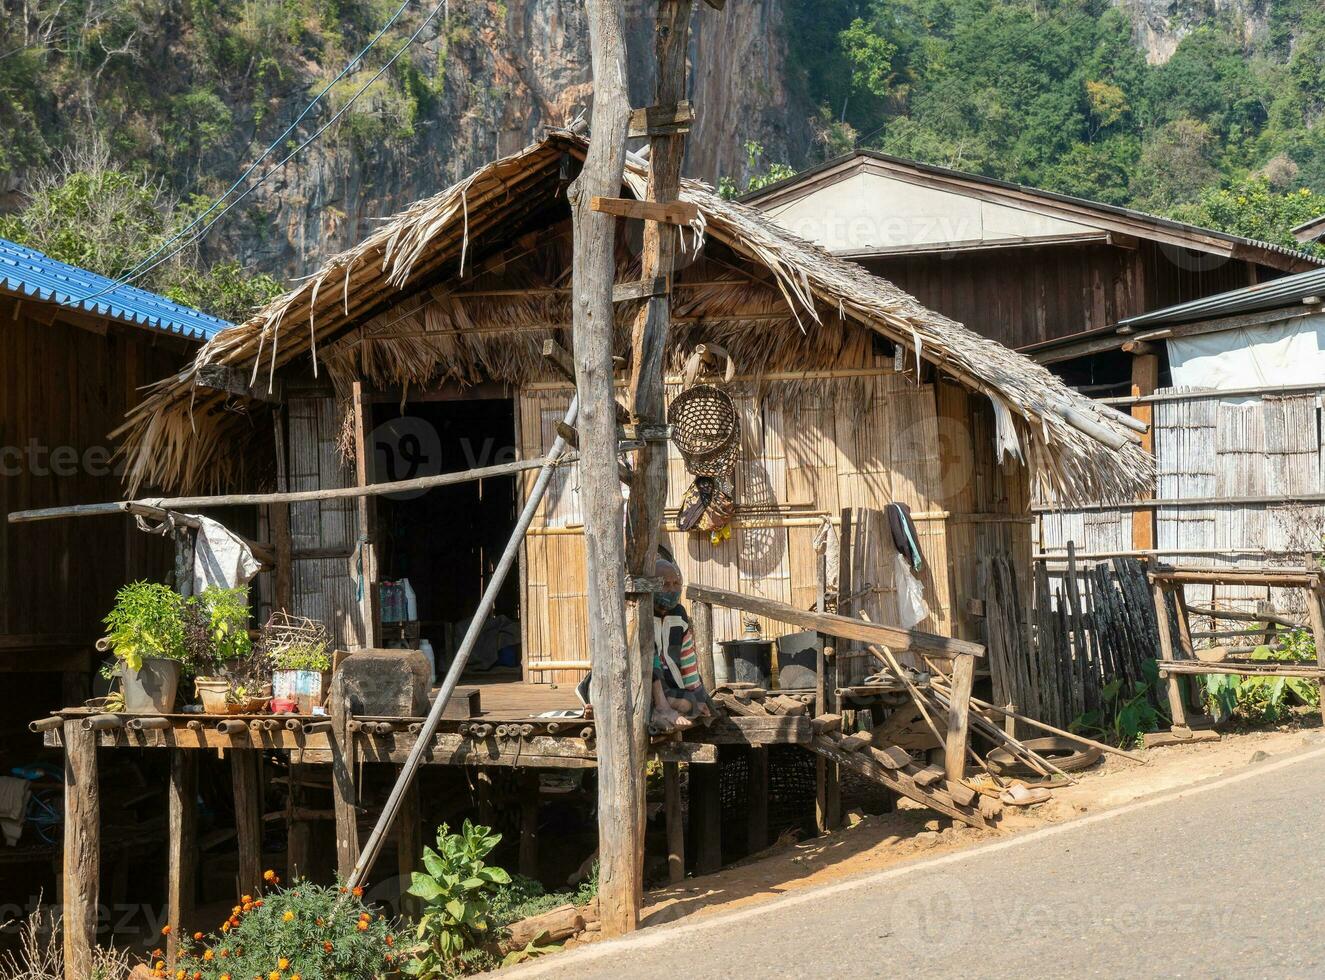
x=30 y=273
x=1288 y=291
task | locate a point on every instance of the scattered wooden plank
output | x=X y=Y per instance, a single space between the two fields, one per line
x=1184 y=736
x=960 y=792
x=896 y=757
x=855 y=742
x=665 y=212
x=927 y=776
x=824 y=724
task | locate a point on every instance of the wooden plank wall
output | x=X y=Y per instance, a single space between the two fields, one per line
x=65 y=386
x=810 y=448
x=323 y=534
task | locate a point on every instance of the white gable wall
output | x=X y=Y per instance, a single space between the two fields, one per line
x=869 y=211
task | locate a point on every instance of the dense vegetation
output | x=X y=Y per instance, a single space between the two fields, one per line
x=1058 y=94
x=156 y=105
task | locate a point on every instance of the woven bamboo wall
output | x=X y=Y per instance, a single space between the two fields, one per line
x=323 y=532
x=1226 y=448
x=852 y=437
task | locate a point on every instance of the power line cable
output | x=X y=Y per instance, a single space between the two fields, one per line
x=142 y=267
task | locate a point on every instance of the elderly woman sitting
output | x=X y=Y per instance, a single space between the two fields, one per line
x=679 y=698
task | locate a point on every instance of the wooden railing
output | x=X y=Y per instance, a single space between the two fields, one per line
x=961 y=653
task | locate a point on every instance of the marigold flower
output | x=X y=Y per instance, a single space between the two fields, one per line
x=390 y=940
x=225 y=926
x=246 y=899
x=197 y=936
x=274 y=975
x=288 y=916
x=357 y=891
x=269 y=875
x=362 y=926
x=160 y=964
x=283 y=963
x=208 y=954
x=165 y=929
x=326 y=947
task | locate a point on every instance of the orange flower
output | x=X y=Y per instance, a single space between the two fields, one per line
x=288 y=916
x=274 y=975
x=226 y=976
x=390 y=940
x=225 y=953
x=245 y=899
x=225 y=926
x=320 y=921
x=197 y=936
x=283 y=963
x=165 y=929
x=258 y=904
x=269 y=875
x=236 y=909
x=207 y=954
x=179 y=975
x=326 y=947
x=160 y=964
x=158 y=953
x=362 y=926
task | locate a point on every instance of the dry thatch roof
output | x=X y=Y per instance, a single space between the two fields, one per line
x=347 y=318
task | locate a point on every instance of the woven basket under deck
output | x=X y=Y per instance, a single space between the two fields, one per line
x=705 y=429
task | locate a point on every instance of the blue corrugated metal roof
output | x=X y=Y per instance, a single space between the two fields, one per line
x=30 y=273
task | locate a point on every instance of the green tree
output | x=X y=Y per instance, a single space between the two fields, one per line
x=1250 y=207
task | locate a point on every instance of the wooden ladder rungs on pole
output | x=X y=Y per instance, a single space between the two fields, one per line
x=662 y=120
x=664 y=212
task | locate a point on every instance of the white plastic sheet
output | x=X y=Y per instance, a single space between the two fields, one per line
x=1286 y=353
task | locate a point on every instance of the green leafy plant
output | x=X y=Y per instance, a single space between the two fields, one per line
x=315 y=932
x=225 y=615
x=1124 y=715
x=525 y=897
x=1264 y=700
x=146 y=621
x=457 y=887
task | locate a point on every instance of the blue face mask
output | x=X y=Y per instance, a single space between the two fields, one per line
x=666 y=601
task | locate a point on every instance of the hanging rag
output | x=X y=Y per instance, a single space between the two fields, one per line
x=827 y=543
x=220 y=557
x=1006 y=442
x=14 y=794
x=905 y=537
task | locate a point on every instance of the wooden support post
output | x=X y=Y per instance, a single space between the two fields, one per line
x=701 y=615
x=344 y=791
x=619 y=699
x=828 y=786
x=757 y=799
x=1160 y=592
x=246 y=779
x=278 y=521
x=409 y=848
x=959 y=713
x=182 y=844
x=676 y=854
x=1316 y=616
x=82 y=849
x=529 y=823
x=366 y=549
x=706 y=816
x=1145 y=379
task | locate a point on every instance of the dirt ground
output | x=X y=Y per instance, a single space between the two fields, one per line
x=872 y=843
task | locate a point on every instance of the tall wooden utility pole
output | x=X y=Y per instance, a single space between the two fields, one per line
x=615 y=684
x=648 y=342
x=622 y=645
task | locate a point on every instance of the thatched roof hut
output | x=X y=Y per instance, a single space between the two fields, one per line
x=852 y=395
x=422 y=257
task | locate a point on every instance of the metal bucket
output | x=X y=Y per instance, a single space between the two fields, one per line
x=151 y=688
x=798 y=659
x=748 y=661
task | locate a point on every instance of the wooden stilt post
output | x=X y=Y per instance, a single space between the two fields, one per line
x=183 y=845
x=706 y=816
x=409 y=847
x=701 y=625
x=246 y=778
x=616 y=685
x=676 y=832
x=367 y=554
x=959 y=717
x=82 y=849
x=483 y=792
x=1176 y=709
x=529 y=823
x=1316 y=616
x=757 y=800
x=344 y=792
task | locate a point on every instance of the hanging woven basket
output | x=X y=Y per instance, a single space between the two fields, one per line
x=705 y=429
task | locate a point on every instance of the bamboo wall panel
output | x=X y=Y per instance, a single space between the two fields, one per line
x=809 y=448
x=1223 y=448
x=322 y=586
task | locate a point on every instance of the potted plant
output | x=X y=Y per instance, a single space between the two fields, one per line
x=299 y=652
x=230 y=679
x=145 y=631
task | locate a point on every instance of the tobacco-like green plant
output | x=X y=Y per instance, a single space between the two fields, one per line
x=457 y=888
x=1265 y=700
x=1125 y=715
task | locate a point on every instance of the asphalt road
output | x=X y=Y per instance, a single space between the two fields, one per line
x=1223 y=879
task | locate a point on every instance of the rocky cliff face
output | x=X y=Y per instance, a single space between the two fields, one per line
x=1160 y=25
x=499 y=74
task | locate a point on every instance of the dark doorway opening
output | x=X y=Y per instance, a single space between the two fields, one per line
x=448 y=540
